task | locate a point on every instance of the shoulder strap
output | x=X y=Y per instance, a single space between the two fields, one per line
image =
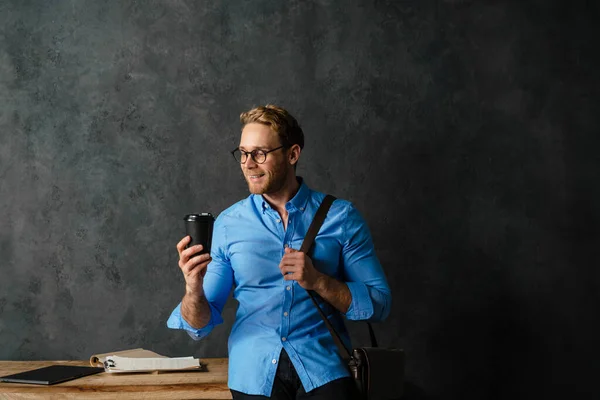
x=306 y=246
x=316 y=223
x=309 y=239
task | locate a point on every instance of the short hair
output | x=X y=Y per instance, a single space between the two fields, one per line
x=278 y=119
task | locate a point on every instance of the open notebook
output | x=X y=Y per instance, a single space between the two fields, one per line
x=140 y=360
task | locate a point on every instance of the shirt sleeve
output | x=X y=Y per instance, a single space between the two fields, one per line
x=217 y=285
x=371 y=295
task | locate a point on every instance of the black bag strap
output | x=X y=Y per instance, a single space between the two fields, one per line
x=307 y=244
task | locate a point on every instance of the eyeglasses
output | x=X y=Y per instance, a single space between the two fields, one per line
x=259 y=156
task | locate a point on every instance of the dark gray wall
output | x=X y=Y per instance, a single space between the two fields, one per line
x=462 y=130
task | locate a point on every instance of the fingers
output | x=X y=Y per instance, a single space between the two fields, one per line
x=194 y=261
x=286 y=269
x=292 y=256
x=290 y=272
x=182 y=243
x=186 y=254
x=294 y=273
x=196 y=264
x=296 y=266
x=189 y=252
x=292 y=261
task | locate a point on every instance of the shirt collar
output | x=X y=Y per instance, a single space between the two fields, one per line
x=297 y=202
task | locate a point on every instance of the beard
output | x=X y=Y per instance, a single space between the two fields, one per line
x=271 y=182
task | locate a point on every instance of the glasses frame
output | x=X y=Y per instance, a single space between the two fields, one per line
x=253 y=154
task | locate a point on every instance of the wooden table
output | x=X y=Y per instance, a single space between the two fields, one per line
x=210 y=383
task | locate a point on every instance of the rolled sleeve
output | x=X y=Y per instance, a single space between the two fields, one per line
x=371 y=295
x=361 y=306
x=176 y=321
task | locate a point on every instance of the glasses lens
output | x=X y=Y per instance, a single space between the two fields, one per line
x=239 y=156
x=259 y=156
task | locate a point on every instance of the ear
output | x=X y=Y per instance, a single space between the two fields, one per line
x=294 y=154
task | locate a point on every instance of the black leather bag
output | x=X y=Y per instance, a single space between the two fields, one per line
x=378 y=373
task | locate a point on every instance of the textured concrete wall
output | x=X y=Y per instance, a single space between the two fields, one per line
x=460 y=129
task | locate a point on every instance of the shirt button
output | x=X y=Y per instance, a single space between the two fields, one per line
x=301 y=208
x=283 y=339
x=274 y=361
x=285 y=314
x=288 y=288
x=286 y=245
x=278 y=221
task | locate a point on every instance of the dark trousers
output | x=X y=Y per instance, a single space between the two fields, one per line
x=287 y=386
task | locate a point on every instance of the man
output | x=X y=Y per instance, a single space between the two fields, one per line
x=279 y=347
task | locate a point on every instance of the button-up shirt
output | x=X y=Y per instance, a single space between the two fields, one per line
x=248 y=244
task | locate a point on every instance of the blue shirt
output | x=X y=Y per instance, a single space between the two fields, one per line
x=248 y=245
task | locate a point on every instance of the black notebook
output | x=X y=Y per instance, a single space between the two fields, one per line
x=51 y=375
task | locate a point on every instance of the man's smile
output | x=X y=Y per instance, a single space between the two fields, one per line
x=255 y=177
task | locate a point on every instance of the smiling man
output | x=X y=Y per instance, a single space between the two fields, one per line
x=279 y=347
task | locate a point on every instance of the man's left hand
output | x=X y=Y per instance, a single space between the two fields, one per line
x=297 y=266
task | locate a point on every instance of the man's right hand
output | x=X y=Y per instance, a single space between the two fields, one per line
x=193 y=266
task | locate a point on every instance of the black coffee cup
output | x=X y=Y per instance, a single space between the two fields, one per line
x=200 y=228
